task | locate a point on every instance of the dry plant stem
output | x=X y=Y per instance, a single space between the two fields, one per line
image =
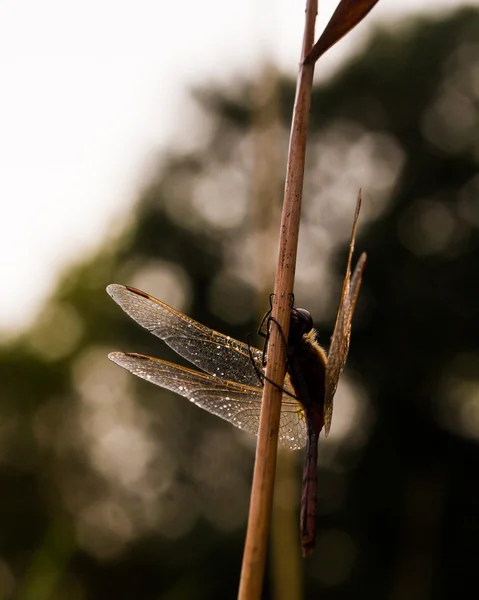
x=254 y=557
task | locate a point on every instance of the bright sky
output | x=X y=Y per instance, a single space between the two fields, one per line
x=91 y=90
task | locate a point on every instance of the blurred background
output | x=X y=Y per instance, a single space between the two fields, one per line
x=167 y=175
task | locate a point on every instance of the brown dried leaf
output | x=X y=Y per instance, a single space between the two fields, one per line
x=347 y=15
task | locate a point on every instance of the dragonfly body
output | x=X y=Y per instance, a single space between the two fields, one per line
x=307 y=371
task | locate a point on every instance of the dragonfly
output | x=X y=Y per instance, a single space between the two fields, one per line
x=230 y=383
x=314 y=376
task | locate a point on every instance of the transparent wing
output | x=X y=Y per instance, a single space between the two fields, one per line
x=338 y=351
x=237 y=403
x=209 y=350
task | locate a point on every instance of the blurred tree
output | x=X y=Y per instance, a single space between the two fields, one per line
x=113 y=488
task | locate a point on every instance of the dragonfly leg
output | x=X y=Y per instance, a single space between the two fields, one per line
x=261 y=376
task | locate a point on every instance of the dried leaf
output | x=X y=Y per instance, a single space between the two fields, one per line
x=347 y=15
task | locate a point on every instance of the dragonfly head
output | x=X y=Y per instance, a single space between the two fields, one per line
x=300 y=324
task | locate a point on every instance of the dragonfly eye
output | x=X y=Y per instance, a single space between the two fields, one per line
x=301 y=323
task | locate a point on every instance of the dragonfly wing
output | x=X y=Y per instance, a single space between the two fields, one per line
x=292 y=424
x=209 y=350
x=338 y=351
x=238 y=403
